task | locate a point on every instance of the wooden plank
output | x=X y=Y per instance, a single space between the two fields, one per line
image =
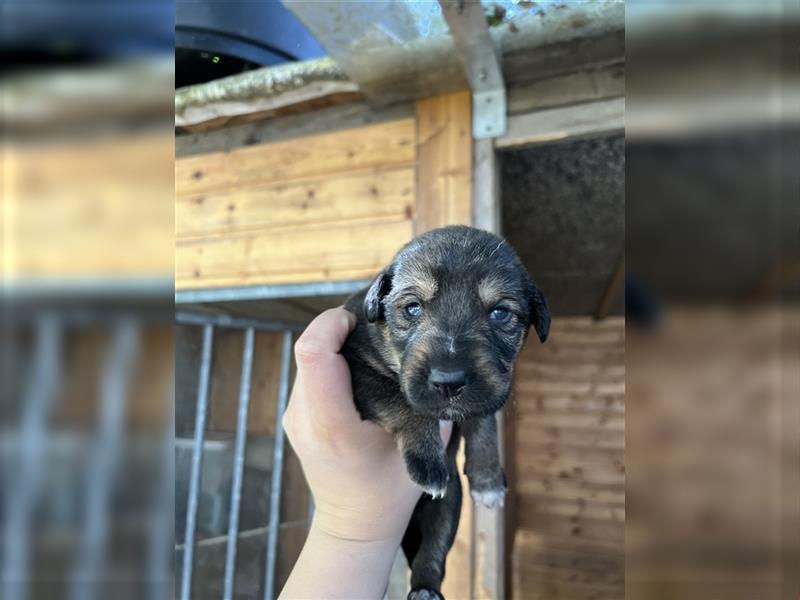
x=607 y=439
x=582 y=86
x=444 y=197
x=100 y=207
x=374 y=194
x=601 y=531
x=609 y=422
x=588 y=404
x=490 y=523
x=569 y=56
x=374 y=146
x=538 y=549
x=444 y=170
x=570 y=507
x=460 y=567
x=151 y=395
x=298 y=255
x=354 y=251
x=347 y=116
x=555 y=124
x=510 y=454
x=486 y=204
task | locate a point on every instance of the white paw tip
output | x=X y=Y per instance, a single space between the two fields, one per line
x=423 y=594
x=435 y=492
x=489 y=498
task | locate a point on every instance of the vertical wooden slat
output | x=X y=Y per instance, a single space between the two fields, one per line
x=486 y=187
x=444 y=168
x=459 y=569
x=456 y=187
x=489 y=524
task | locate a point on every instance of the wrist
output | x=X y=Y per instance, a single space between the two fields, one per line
x=333 y=567
x=330 y=526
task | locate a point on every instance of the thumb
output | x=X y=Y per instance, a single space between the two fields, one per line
x=322 y=373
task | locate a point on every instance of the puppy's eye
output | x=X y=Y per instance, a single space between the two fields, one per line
x=500 y=315
x=414 y=309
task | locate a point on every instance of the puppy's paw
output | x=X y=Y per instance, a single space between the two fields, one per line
x=489 y=498
x=488 y=488
x=424 y=594
x=429 y=473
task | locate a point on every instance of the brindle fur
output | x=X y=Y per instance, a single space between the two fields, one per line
x=458 y=275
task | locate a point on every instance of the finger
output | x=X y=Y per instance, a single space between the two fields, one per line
x=323 y=337
x=323 y=377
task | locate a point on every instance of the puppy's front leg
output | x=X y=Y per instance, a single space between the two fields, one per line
x=423 y=452
x=487 y=482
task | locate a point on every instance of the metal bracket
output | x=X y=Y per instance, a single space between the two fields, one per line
x=473 y=44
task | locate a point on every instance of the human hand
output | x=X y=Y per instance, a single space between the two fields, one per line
x=361 y=488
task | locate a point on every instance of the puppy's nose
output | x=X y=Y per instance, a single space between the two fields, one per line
x=448 y=383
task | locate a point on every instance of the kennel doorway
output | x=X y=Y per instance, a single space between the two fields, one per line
x=563 y=209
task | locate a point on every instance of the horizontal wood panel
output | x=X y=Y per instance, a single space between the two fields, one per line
x=375 y=146
x=93 y=208
x=594 y=468
x=569 y=412
x=566 y=404
x=542 y=484
x=588 y=422
x=571 y=507
x=566 y=437
x=603 y=531
x=368 y=195
x=350 y=251
x=535 y=542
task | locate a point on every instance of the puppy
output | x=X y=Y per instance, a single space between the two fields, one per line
x=436 y=337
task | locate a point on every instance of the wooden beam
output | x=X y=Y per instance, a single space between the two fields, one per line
x=586 y=85
x=316 y=122
x=444 y=167
x=556 y=124
x=486 y=213
x=489 y=525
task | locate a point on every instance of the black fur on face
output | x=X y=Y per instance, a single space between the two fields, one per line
x=452 y=312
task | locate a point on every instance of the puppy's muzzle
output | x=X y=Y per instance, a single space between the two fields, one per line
x=449 y=383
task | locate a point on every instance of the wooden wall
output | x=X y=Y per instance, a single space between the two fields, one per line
x=566 y=433
x=88 y=209
x=334 y=206
x=713 y=441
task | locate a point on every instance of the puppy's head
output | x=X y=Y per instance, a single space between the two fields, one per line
x=452 y=312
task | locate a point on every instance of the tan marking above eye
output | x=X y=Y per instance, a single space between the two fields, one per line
x=489 y=291
x=424 y=286
x=416 y=277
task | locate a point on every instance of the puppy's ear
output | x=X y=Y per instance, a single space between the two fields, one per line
x=376 y=293
x=538 y=310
